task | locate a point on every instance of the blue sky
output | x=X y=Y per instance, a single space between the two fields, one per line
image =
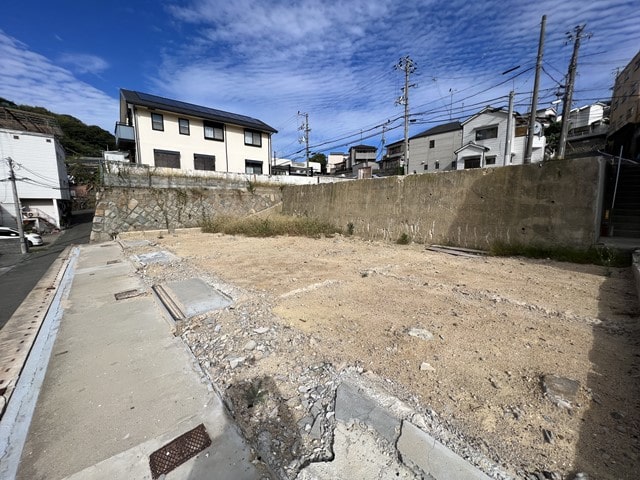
x=333 y=60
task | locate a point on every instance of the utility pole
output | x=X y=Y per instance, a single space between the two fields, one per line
x=16 y=202
x=305 y=136
x=408 y=66
x=534 y=97
x=576 y=35
x=507 y=143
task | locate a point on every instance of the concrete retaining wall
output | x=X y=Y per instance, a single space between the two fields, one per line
x=549 y=204
x=133 y=209
x=10 y=246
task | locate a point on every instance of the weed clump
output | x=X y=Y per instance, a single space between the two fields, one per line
x=269 y=227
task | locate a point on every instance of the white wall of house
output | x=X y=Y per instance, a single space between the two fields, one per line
x=230 y=154
x=422 y=154
x=495 y=155
x=40 y=172
x=585 y=116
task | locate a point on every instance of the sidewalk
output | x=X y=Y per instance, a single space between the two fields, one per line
x=118 y=387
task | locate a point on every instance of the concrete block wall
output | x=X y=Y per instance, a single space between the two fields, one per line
x=546 y=204
x=135 y=209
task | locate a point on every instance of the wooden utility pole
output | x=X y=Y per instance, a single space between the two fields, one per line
x=534 y=97
x=16 y=202
x=568 y=91
x=408 y=66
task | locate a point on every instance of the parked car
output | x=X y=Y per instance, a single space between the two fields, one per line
x=33 y=239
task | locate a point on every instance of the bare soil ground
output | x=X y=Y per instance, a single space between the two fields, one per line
x=470 y=339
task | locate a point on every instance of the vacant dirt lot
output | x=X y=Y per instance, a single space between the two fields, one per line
x=470 y=338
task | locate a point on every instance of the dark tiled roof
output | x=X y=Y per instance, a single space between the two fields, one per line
x=161 y=103
x=444 y=128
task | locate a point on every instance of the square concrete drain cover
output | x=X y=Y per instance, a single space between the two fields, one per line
x=178 y=451
x=160 y=256
x=188 y=298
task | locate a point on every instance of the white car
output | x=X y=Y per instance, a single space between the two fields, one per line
x=33 y=239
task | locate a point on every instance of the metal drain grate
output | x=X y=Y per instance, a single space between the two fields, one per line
x=178 y=451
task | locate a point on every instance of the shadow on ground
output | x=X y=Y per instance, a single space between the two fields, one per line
x=613 y=416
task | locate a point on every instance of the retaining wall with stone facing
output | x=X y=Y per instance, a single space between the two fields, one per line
x=134 y=209
x=550 y=204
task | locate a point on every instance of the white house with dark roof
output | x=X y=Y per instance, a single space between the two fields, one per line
x=486 y=139
x=168 y=133
x=433 y=149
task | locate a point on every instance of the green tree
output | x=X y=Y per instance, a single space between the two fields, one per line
x=552 y=133
x=320 y=158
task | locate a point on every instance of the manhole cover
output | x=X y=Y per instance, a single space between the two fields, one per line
x=178 y=451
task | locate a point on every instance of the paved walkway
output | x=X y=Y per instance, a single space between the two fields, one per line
x=118 y=387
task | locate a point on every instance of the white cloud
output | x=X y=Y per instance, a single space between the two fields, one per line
x=84 y=63
x=29 y=78
x=333 y=61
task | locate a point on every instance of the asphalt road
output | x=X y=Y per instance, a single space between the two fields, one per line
x=16 y=283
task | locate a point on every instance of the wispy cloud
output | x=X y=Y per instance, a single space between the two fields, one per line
x=335 y=62
x=29 y=78
x=82 y=63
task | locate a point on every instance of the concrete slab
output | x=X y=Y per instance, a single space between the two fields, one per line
x=160 y=256
x=192 y=297
x=357 y=455
x=352 y=404
x=119 y=386
x=418 y=448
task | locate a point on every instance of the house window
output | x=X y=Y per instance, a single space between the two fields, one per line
x=437 y=165
x=157 y=122
x=490 y=160
x=426 y=166
x=454 y=165
x=204 y=162
x=432 y=143
x=251 y=137
x=166 y=158
x=16 y=137
x=213 y=131
x=252 y=166
x=48 y=140
x=486 y=133
x=183 y=126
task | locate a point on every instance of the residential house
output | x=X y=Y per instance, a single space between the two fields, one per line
x=486 y=142
x=336 y=161
x=168 y=133
x=362 y=161
x=392 y=162
x=31 y=141
x=433 y=149
x=624 y=124
x=587 y=119
x=285 y=166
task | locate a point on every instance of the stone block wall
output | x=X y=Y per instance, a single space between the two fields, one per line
x=547 y=204
x=133 y=209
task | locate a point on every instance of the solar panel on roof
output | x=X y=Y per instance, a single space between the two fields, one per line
x=189 y=108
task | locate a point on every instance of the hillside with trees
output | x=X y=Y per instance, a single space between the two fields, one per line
x=79 y=139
